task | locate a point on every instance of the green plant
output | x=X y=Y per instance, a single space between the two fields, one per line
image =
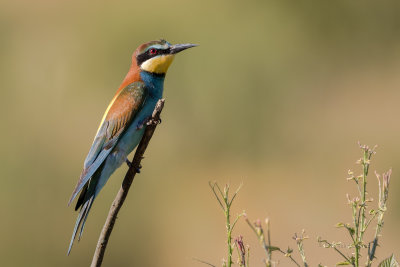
x=363 y=216
x=363 y=219
x=225 y=201
x=269 y=249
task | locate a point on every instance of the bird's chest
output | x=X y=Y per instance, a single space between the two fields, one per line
x=135 y=131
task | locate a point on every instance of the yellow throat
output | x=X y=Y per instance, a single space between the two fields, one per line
x=159 y=64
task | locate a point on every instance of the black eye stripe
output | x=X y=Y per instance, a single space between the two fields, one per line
x=146 y=55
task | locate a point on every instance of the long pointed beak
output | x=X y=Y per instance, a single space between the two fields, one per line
x=180 y=47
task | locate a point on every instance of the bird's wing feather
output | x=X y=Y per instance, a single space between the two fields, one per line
x=122 y=109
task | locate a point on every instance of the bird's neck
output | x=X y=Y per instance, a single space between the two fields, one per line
x=154 y=83
x=133 y=75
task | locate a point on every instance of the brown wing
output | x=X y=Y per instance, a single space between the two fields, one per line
x=122 y=109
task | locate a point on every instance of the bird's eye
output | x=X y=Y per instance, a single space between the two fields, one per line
x=153 y=51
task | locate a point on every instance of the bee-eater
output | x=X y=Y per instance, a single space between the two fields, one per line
x=124 y=122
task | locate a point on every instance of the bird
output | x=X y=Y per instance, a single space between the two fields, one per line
x=123 y=123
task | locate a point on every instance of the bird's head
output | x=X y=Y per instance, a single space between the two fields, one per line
x=156 y=56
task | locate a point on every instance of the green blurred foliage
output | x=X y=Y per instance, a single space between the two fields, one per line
x=276 y=95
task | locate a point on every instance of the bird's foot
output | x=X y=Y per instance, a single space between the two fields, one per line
x=154 y=122
x=128 y=162
x=138 y=169
x=130 y=165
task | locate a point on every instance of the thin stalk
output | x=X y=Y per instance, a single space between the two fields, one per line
x=364 y=191
x=229 y=235
x=222 y=197
x=360 y=228
x=355 y=240
x=269 y=241
x=383 y=197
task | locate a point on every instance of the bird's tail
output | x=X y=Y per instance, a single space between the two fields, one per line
x=80 y=221
x=85 y=202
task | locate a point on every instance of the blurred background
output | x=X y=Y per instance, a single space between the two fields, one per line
x=275 y=97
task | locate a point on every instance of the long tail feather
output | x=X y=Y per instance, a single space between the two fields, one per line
x=86 y=214
x=78 y=222
x=81 y=198
x=85 y=202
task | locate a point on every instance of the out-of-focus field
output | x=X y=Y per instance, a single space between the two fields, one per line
x=276 y=96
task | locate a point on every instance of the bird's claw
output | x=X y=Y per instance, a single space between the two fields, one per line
x=130 y=165
x=138 y=169
x=128 y=162
x=154 y=122
x=148 y=121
